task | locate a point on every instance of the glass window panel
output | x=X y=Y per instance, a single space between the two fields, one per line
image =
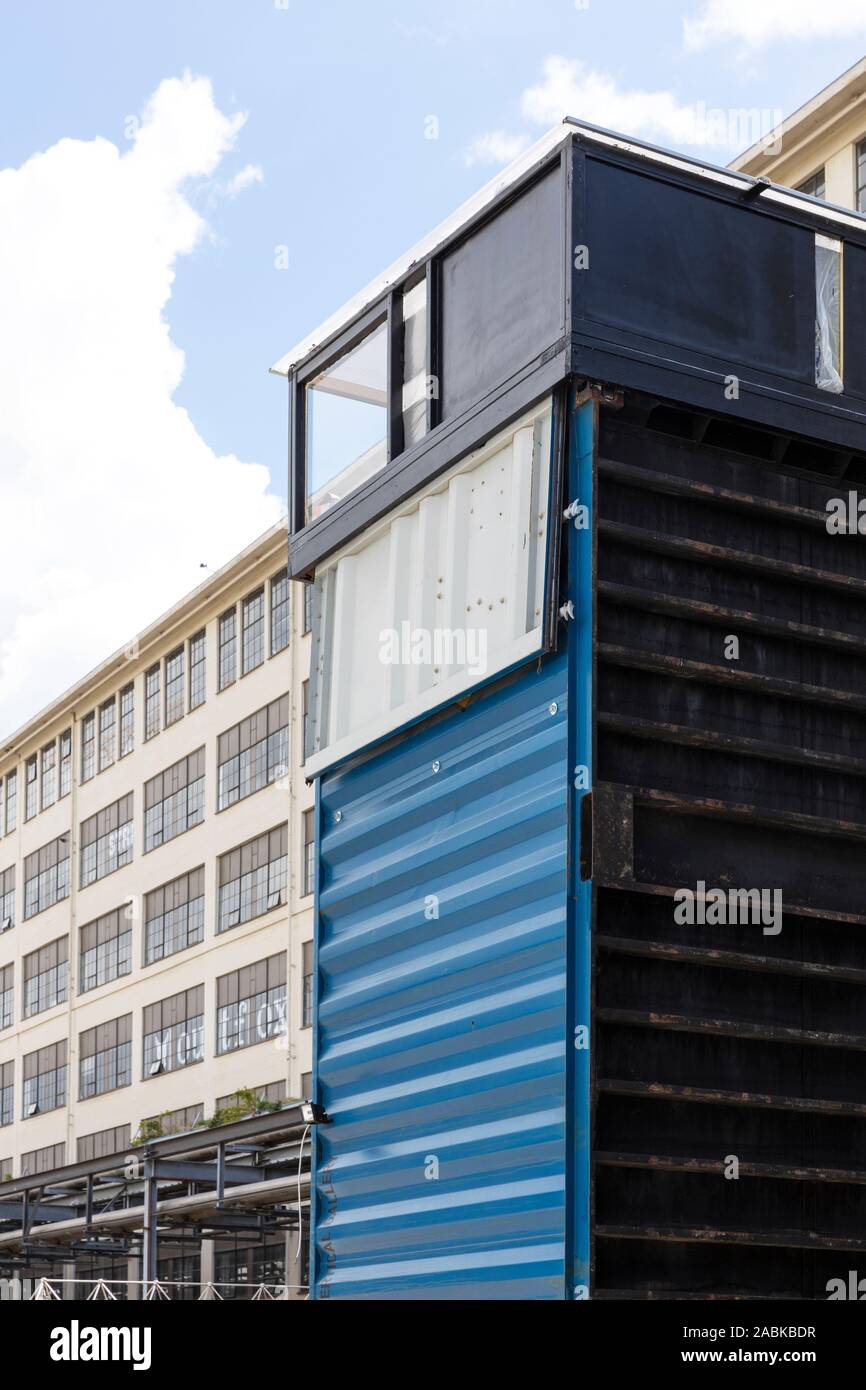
x=347 y=423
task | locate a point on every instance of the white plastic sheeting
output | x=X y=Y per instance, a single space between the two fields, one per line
x=828 y=313
x=437 y=597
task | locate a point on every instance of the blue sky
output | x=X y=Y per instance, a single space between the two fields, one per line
x=337 y=95
x=339 y=168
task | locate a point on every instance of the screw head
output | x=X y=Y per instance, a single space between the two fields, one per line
x=552 y=707
x=436 y=765
x=338 y=816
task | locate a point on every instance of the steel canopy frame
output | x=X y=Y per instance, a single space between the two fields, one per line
x=247 y=1169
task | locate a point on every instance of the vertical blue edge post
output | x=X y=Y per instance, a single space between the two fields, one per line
x=581 y=449
x=315 y=1155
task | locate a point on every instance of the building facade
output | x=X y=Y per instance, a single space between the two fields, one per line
x=821 y=148
x=155 y=880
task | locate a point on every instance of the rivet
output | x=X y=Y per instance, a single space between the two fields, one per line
x=338 y=816
x=436 y=765
x=552 y=707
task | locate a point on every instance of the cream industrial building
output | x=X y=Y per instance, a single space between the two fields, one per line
x=156 y=877
x=821 y=148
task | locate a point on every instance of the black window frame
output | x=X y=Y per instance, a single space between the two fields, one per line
x=387 y=309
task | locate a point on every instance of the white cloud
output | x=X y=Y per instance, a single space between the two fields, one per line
x=496 y=147
x=766 y=22
x=251 y=173
x=110 y=498
x=569 y=88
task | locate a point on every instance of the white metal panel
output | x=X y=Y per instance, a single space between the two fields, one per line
x=437 y=597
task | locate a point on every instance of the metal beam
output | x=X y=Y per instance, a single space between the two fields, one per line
x=261 y=1127
x=149 y=1232
x=184 y=1170
x=14 y=1211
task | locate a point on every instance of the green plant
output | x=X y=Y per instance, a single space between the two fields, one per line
x=248 y=1102
x=151 y=1129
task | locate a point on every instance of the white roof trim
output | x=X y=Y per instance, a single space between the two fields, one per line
x=510 y=175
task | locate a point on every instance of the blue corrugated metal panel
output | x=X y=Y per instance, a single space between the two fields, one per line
x=441 y=1033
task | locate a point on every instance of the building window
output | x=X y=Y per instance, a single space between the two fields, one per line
x=106 y=734
x=174 y=687
x=174 y=916
x=173 y=1121
x=307 y=1001
x=106 y=841
x=252 y=879
x=2 y=812
x=106 y=1057
x=7 y=1000
x=815 y=186
x=861 y=176
x=44 y=1080
x=239 y=1271
x=66 y=763
x=182 y=1271
x=31 y=785
x=174 y=801
x=49 y=775
x=346 y=422
x=103 y=1143
x=46 y=876
x=309 y=588
x=11 y=802
x=105 y=950
x=7 y=1097
x=151 y=702
x=280 y=621
x=7 y=899
x=252 y=631
x=251 y=1004
x=88 y=747
x=227 y=648
x=46 y=977
x=174 y=1032
x=309 y=851
x=253 y=754
x=127 y=719
x=274 y=1091
x=42 y=1160
x=197 y=670
x=307 y=1085
x=305 y=718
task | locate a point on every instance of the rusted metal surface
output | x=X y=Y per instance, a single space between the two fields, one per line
x=720 y=1042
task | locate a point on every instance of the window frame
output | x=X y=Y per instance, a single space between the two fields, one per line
x=152 y=695
x=173 y=686
x=193 y=667
x=255 y=630
x=387 y=309
x=275 y=607
x=232 y=613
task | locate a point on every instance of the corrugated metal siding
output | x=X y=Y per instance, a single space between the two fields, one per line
x=441 y=1041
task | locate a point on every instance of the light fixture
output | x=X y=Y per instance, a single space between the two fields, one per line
x=313 y=1114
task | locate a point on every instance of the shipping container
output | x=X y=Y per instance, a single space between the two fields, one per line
x=587 y=722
